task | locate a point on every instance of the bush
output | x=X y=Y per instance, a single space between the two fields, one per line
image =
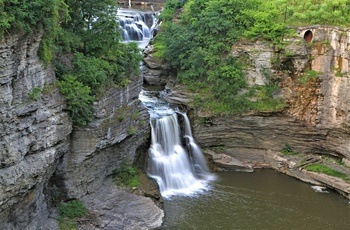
x=78 y=98
x=287 y=150
x=69 y=213
x=126 y=175
x=72 y=209
x=91 y=71
x=35 y=94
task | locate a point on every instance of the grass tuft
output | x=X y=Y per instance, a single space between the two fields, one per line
x=69 y=213
x=320 y=168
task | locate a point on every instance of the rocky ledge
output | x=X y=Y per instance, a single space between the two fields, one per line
x=114 y=208
x=292 y=165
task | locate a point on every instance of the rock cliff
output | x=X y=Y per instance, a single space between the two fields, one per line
x=33 y=131
x=119 y=128
x=314 y=79
x=316 y=118
x=44 y=160
x=312 y=70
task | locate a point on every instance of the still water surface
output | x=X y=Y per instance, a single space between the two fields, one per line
x=262 y=200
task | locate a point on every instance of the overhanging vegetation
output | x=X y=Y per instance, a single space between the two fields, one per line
x=197 y=44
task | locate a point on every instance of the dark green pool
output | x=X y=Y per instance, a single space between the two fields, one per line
x=261 y=200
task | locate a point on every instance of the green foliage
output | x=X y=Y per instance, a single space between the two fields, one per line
x=132 y=130
x=122 y=114
x=69 y=213
x=263 y=24
x=169 y=9
x=266 y=97
x=197 y=46
x=311 y=74
x=72 y=209
x=78 y=98
x=90 y=49
x=91 y=71
x=301 y=12
x=35 y=94
x=126 y=175
x=25 y=15
x=93 y=34
x=320 y=168
x=198 y=50
x=21 y=15
x=135 y=115
x=84 y=38
x=287 y=150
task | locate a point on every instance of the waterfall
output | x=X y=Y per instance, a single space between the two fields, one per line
x=175 y=161
x=179 y=169
x=197 y=158
x=137 y=26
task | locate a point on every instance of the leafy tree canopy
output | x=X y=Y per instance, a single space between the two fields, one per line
x=83 y=40
x=93 y=36
x=198 y=43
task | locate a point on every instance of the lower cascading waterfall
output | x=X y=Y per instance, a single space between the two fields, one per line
x=178 y=170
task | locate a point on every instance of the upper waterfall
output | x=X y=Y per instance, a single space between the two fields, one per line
x=137 y=26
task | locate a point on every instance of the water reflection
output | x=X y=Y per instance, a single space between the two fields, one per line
x=263 y=200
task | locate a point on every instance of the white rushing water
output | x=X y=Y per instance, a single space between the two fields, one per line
x=137 y=26
x=175 y=162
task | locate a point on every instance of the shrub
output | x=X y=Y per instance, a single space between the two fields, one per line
x=287 y=150
x=78 y=98
x=35 y=94
x=132 y=130
x=69 y=213
x=72 y=209
x=311 y=74
x=126 y=175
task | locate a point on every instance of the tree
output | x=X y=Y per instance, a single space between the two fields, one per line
x=78 y=98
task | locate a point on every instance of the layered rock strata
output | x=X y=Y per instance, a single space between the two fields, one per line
x=119 y=128
x=313 y=74
x=316 y=118
x=43 y=160
x=33 y=131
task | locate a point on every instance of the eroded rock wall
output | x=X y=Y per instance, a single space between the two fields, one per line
x=316 y=118
x=33 y=132
x=43 y=160
x=120 y=127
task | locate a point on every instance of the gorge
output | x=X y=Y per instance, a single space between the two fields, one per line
x=45 y=159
